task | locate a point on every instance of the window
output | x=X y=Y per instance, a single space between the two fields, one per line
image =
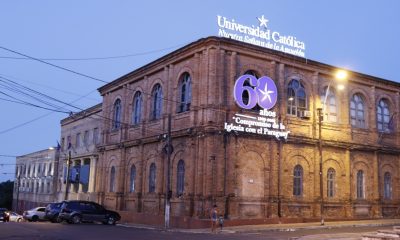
x=383 y=116
x=112 y=179
x=86 y=139
x=297 y=98
x=185 y=93
x=78 y=140
x=48 y=187
x=156 y=107
x=180 y=178
x=330 y=108
x=387 y=188
x=49 y=169
x=132 y=180
x=137 y=108
x=116 y=123
x=69 y=145
x=62 y=144
x=38 y=173
x=360 y=184
x=152 y=178
x=331 y=182
x=357 y=112
x=298 y=181
x=96 y=137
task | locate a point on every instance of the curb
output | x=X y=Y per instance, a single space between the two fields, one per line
x=281 y=228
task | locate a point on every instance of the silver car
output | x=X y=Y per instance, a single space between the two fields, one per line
x=35 y=214
x=15 y=217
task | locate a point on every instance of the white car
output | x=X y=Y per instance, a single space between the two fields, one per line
x=15 y=217
x=35 y=214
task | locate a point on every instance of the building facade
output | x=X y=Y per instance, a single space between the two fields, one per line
x=252 y=178
x=36 y=179
x=175 y=124
x=80 y=137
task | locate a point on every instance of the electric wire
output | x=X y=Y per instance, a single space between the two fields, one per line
x=53 y=65
x=98 y=58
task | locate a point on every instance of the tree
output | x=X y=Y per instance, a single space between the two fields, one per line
x=6 y=194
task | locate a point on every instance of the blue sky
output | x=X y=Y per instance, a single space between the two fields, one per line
x=358 y=35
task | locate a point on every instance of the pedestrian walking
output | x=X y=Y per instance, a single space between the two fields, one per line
x=214 y=218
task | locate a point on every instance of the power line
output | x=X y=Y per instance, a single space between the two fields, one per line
x=53 y=65
x=96 y=58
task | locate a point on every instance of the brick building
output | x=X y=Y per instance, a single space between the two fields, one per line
x=252 y=178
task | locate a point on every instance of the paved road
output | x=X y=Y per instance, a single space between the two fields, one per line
x=63 y=231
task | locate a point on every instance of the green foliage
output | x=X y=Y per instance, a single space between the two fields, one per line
x=6 y=194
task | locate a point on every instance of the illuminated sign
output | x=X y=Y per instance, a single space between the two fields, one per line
x=260 y=35
x=261 y=91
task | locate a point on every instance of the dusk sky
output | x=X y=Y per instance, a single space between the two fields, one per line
x=357 y=35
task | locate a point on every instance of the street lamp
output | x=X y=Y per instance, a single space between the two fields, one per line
x=340 y=77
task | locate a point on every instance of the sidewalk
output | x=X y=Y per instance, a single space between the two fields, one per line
x=278 y=227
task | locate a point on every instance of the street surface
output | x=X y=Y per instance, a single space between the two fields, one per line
x=64 y=231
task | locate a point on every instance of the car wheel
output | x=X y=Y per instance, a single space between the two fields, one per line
x=35 y=218
x=111 y=220
x=76 y=219
x=58 y=219
x=19 y=220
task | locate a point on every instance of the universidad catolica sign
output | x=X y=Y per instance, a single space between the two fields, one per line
x=261 y=91
x=260 y=35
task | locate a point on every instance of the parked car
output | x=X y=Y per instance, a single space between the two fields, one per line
x=35 y=214
x=85 y=211
x=3 y=215
x=52 y=212
x=15 y=217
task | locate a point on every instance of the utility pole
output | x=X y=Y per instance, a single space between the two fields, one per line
x=67 y=177
x=321 y=183
x=18 y=179
x=168 y=187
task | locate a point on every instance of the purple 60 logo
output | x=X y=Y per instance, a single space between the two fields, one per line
x=261 y=91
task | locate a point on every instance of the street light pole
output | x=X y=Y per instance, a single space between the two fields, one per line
x=321 y=183
x=340 y=76
x=168 y=182
x=18 y=180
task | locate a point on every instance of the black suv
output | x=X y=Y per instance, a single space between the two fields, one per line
x=52 y=212
x=85 y=211
x=3 y=215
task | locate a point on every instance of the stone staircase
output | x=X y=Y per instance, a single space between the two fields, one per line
x=383 y=234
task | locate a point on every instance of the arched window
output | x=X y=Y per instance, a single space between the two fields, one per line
x=180 y=177
x=387 y=188
x=156 y=107
x=383 y=116
x=112 y=179
x=360 y=184
x=137 y=108
x=331 y=182
x=185 y=93
x=298 y=181
x=116 y=123
x=357 y=111
x=297 y=98
x=132 y=179
x=330 y=108
x=152 y=178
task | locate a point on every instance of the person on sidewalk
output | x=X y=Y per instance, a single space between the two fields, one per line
x=214 y=218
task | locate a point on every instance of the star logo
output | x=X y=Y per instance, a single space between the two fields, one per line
x=267 y=93
x=263 y=21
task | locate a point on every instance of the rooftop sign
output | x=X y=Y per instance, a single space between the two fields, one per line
x=260 y=35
